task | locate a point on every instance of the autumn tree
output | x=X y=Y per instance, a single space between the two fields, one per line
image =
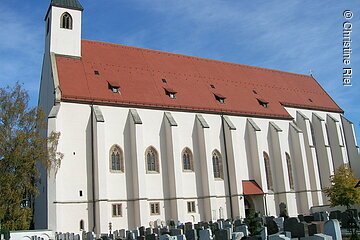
x=21 y=148
x=342 y=190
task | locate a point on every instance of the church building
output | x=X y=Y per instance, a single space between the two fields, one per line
x=150 y=135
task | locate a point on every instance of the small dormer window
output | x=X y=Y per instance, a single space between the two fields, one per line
x=115 y=88
x=255 y=92
x=263 y=103
x=220 y=98
x=212 y=86
x=66 y=21
x=170 y=92
x=310 y=100
x=164 y=80
x=96 y=72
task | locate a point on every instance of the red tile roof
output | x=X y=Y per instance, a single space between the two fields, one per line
x=140 y=72
x=250 y=187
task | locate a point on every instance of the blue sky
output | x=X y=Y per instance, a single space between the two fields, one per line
x=296 y=36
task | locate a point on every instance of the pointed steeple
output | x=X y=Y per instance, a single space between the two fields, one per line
x=71 y=4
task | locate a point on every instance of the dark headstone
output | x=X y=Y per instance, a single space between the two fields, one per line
x=312 y=229
x=345 y=218
x=176 y=232
x=188 y=226
x=142 y=231
x=272 y=227
x=140 y=238
x=301 y=218
x=238 y=222
x=296 y=228
x=335 y=215
x=191 y=234
x=223 y=234
x=151 y=237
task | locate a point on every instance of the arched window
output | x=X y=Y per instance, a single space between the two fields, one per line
x=152 y=160
x=66 y=21
x=187 y=159
x=217 y=165
x=268 y=171
x=289 y=167
x=116 y=159
x=81 y=225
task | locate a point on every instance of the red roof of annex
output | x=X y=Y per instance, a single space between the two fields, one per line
x=145 y=76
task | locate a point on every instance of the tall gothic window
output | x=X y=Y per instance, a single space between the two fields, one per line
x=217 y=165
x=268 y=171
x=289 y=167
x=187 y=159
x=66 y=21
x=116 y=159
x=152 y=160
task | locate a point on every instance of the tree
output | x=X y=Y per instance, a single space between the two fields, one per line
x=22 y=147
x=342 y=191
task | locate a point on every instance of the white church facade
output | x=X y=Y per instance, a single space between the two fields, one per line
x=150 y=135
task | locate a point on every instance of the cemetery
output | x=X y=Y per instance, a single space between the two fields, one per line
x=317 y=226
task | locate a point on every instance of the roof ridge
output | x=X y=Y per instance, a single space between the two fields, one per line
x=199 y=58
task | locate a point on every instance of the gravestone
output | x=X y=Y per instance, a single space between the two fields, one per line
x=142 y=231
x=181 y=237
x=335 y=215
x=242 y=228
x=332 y=228
x=345 y=218
x=354 y=213
x=205 y=234
x=140 y=238
x=280 y=223
x=238 y=222
x=321 y=236
x=222 y=234
x=272 y=227
x=176 y=232
x=296 y=228
x=278 y=237
x=312 y=229
x=188 y=226
x=191 y=234
x=152 y=236
x=148 y=231
x=90 y=236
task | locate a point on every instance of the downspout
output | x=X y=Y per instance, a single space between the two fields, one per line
x=93 y=166
x=227 y=165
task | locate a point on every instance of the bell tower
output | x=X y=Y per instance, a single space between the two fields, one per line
x=63 y=28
